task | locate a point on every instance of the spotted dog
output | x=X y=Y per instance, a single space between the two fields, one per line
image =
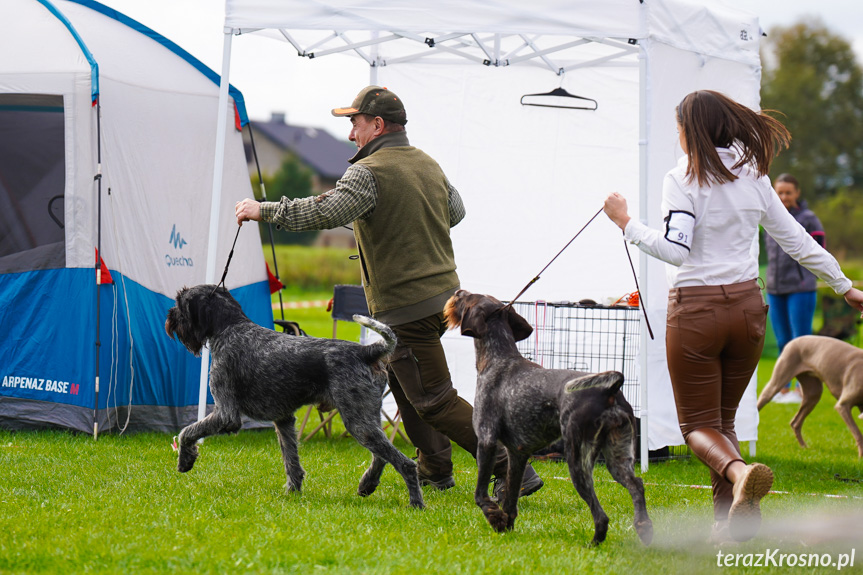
x=267 y=376
x=527 y=407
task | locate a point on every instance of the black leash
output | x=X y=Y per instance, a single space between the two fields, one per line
x=230 y=255
x=638 y=290
x=631 y=266
x=269 y=224
x=536 y=279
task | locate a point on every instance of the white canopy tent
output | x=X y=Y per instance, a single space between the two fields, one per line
x=530 y=177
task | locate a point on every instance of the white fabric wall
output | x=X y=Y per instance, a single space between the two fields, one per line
x=674 y=73
x=530 y=179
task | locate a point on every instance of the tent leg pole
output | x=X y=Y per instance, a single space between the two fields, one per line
x=215 y=203
x=643 y=153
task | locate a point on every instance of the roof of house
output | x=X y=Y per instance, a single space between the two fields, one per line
x=325 y=154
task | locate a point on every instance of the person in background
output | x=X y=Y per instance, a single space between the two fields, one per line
x=402 y=207
x=790 y=286
x=712 y=203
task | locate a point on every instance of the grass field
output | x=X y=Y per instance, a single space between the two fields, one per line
x=72 y=505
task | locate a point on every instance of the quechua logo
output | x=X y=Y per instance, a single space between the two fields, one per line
x=177 y=242
x=176 y=238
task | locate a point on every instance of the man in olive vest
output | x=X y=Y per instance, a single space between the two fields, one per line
x=402 y=207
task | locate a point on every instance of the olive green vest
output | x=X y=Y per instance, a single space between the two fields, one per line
x=405 y=247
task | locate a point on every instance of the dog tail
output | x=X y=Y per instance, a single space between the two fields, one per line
x=380 y=349
x=609 y=381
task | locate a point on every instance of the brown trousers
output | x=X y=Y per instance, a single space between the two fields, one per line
x=432 y=411
x=714 y=337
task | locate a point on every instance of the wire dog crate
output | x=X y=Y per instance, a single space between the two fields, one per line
x=592 y=338
x=585 y=337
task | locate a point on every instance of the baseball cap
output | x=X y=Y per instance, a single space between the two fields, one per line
x=376 y=101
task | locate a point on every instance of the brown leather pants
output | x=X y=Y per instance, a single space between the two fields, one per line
x=714 y=337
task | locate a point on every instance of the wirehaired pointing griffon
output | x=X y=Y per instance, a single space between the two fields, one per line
x=267 y=376
x=527 y=407
x=814 y=359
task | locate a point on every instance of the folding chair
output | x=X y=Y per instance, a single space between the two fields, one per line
x=349 y=300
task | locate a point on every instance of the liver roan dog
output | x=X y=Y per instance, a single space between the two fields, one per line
x=526 y=407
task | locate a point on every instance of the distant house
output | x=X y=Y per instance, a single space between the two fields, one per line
x=320 y=151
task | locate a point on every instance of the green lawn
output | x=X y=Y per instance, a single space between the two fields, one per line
x=72 y=505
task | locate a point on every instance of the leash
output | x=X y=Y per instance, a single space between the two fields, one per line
x=638 y=290
x=230 y=255
x=631 y=266
x=536 y=279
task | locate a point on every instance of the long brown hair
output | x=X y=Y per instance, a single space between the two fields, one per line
x=711 y=120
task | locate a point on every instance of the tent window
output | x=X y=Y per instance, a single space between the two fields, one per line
x=32 y=183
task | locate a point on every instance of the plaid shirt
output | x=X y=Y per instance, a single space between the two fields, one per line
x=353 y=198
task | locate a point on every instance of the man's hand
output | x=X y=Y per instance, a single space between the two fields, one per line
x=246 y=210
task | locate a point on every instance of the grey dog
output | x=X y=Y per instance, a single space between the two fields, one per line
x=527 y=407
x=267 y=376
x=814 y=359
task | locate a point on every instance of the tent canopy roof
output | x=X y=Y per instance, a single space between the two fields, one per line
x=501 y=33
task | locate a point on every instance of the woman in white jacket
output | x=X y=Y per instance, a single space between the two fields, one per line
x=713 y=203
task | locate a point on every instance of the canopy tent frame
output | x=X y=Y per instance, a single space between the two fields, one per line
x=489 y=56
x=625 y=50
x=514 y=35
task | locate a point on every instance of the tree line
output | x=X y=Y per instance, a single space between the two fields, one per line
x=812 y=77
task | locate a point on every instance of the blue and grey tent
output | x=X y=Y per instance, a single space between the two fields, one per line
x=107 y=140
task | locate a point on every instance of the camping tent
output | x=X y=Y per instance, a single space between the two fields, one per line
x=107 y=141
x=531 y=176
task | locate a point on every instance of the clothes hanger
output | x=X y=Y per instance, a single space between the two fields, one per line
x=559 y=92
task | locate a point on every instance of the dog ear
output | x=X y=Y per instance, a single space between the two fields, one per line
x=473 y=322
x=192 y=322
x=520 y=328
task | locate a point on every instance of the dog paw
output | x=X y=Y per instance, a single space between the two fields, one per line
x=510 y=522
x=367 y=486
x=498 y=520
x=645 y=531
x=188 y=455
x=599 y=533
x=417 y=504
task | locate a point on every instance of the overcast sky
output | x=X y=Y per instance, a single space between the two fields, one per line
x=263 y=69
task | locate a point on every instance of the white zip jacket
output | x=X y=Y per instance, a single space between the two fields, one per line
x=711 y=233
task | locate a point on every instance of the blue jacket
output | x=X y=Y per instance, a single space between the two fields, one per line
x=784 y=274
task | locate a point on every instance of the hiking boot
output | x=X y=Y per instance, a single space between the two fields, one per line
x=744 y=517
x=530 y=483
x=438 y=481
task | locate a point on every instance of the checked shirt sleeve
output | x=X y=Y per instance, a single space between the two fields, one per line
x=456 y=206
x=353 y=198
